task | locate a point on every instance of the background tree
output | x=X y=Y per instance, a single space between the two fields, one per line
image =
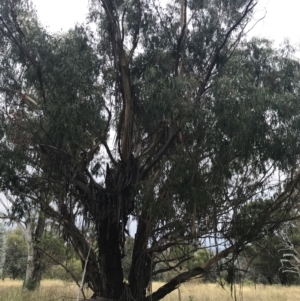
x=201 y=124
x=262 y=261
x=269 y=261
x=2 y=247
x=289 y=248
x=16 y=255
x=44 y=246
x=32 y=224
x=59 y=262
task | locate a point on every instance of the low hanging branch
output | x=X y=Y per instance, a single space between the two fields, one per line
x=186 y=276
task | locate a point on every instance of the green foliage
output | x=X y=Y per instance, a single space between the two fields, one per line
x=56 y=252
x=58 y=272
x=71 y=96
x=54 y=247
x=16 y=255
x=180 y=258
x=57 y=256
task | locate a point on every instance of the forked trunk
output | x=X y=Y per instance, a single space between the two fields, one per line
x=112 y=285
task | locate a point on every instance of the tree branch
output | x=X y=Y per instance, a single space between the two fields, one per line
x=60 y=264
x=125 y=84
x=180 y=44
x=186 y=276
x=144 y=171
x=23 y=96
x=214 y=61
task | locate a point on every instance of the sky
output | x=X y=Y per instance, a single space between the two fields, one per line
x=281 y=20
x=281 y=17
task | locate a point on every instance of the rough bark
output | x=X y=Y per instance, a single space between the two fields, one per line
x=111 y=271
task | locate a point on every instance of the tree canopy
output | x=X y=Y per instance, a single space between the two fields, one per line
x=159 y=114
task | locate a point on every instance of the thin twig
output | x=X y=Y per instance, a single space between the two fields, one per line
x=83 y=274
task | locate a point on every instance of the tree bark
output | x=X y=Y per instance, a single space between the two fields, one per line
x=111 y=272
x=34 y=269
x=35 y=264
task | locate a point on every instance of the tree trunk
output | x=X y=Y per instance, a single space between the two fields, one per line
x=35 y=264
x=111 y=214
x=111 y=271
x=34 y=269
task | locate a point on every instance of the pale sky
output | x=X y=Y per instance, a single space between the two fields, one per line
x=281 y=20
x=281 y=17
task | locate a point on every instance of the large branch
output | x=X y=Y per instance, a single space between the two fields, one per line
x=186 y=276
x=144 y=171
x=136 y=33
x=22 y=95
x=180 y=44
x=125 y=85
x=79 y=242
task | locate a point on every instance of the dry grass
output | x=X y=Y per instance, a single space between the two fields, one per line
x=214 y=292
x=50 y=290
x=56 y=290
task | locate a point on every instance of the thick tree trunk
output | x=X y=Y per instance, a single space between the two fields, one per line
x=111 y=215
x=111 y=272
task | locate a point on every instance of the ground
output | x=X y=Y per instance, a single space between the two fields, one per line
x=11 y=290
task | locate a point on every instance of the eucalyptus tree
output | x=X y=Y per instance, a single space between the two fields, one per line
x=158 y=115
x=32 y=224
x=16 y=255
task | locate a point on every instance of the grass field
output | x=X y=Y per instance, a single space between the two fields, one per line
x=55 y=290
